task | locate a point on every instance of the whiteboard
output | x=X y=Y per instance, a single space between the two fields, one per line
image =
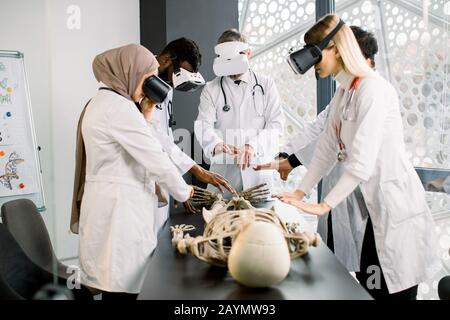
x=20 y=169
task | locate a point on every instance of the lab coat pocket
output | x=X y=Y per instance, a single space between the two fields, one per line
x=400 y=200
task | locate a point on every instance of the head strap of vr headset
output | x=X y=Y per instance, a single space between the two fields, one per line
x=324 y=43
x=176 y=64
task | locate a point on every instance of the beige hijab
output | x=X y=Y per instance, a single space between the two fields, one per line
x=120 y=69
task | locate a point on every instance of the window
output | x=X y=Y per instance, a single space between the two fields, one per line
x=272 y=28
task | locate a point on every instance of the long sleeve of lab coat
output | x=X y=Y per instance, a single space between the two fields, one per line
x=135 y=136
x=204 y=130
x=180 y=159
x=267 y=140
x=324 y=156
x=346 y=184
x=302 y=145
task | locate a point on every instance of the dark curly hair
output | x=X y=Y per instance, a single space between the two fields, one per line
x=367 y=42
x=185 y=50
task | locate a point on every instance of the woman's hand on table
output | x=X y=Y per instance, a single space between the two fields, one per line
x=296 y=195
x=318 y=209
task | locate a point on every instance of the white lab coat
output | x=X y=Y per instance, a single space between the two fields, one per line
x=252 y=119
x=403 y=226
x=124 y=160
x=348 y=220
x=161 y=130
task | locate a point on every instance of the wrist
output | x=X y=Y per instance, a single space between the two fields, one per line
x=325 y=207
x=195 y=169
x=299 y=193
x=217 y=148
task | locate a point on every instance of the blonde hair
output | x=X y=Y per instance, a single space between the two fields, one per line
x=352 y=58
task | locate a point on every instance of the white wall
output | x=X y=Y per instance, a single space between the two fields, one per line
x=23 y=28
x=59 y=58
x=105 y=24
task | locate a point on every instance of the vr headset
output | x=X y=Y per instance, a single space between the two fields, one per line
x=303 y=59
x=156 y=89
x=231 y=58
x=184 y=80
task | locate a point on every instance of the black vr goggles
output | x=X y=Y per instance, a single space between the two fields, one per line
x=156 y=89
x=303 y=59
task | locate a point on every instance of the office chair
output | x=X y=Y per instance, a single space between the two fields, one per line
x=6 y=292
x=444 y=288
x=25 y=223
x=21 y=278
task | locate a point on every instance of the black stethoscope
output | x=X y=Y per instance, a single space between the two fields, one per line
x=226 y=106
x=170 y=121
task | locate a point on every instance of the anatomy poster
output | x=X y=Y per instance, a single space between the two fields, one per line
x=17 y=157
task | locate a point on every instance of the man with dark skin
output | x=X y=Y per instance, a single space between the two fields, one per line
x=186 y=54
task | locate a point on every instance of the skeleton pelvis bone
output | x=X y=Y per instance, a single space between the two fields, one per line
x=247 y=240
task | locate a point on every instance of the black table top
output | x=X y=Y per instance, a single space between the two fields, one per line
x=171 y=275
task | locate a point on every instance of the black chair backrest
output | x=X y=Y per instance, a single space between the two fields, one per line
x=6 y=292
x=25 y=223
x=21 y=278
x=17 y=270
x=444 y=288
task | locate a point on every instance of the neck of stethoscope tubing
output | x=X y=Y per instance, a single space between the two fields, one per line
x=223 y=91
x=253 y=89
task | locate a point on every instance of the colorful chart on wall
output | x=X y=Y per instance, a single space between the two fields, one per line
x=20 y=173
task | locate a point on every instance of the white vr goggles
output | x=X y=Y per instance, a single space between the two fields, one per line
x=184 y=80
x=231 y=58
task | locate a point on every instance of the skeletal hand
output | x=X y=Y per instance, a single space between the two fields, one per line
x=178 y=232
x=256 y=194
x=203 y=197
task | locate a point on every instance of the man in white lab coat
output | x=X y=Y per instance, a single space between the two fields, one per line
x=240 y=118
x=343 y=238
x=179 y=55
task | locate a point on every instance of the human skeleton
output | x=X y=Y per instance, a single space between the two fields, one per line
x=226 y=219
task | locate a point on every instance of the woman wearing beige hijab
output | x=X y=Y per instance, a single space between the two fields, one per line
x=123 y=162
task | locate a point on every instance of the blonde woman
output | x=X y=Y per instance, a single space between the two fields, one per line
x=364 y=131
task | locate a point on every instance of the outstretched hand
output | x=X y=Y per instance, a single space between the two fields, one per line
x=296 y=195
x=212 y=178
x=317 y=209
x=246 y=156
x=283 y=167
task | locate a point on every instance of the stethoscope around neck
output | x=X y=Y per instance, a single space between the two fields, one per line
x=226 y=107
